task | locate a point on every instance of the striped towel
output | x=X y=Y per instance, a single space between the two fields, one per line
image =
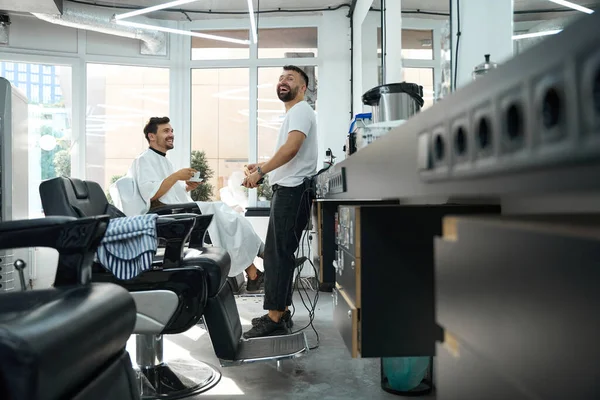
x=129 y=245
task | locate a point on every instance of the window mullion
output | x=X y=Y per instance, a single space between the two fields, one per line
x=253 y=114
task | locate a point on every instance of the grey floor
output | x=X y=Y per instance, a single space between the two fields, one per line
x=326 y=373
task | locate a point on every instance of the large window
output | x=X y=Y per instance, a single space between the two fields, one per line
x=48 y=90
x=423 y=76
x=220 y=120
x=224 y=133
x=287 y=42
x=271 y=112
x=417 y=44
x=120 y=100
x=209 y=49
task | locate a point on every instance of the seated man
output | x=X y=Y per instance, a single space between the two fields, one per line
x=158 y=184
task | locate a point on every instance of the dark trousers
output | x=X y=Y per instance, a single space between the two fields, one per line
x=290 y=211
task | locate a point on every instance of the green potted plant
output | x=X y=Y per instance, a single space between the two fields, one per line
x=204 y=191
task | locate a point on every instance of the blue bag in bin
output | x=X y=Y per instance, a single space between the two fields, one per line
x=405 y=373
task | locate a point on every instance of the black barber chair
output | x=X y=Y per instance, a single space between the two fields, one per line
x=170 y=298
x=73 y=197
x=67 y=342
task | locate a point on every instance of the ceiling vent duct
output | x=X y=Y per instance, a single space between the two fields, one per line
x=100 y=20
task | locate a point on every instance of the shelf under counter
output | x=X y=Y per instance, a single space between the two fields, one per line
x=384 y=294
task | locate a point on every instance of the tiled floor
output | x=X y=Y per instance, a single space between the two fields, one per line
x=326 y=373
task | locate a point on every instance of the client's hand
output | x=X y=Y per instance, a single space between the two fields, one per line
x=189 y=186
x=184 y=174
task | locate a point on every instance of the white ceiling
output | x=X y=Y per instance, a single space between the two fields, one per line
x=241 y=5
x=201 y=9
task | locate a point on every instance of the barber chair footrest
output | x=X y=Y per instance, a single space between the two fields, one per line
x=176 y=380
x=272 y=348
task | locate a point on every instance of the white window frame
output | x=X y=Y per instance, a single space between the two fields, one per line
x=78 y=109
x=78 y=62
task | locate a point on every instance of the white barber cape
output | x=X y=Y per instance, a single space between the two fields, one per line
x=228 y=229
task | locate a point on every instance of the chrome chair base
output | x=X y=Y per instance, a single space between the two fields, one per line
x=176 y=380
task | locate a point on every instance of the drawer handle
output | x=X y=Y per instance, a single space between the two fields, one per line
x=352 y=264
x=350 y=314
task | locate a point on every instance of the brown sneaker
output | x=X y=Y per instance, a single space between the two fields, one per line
x=256 y=285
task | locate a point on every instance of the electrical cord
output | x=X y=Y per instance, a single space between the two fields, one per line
x=458 y=33
x=281 y=10
x=180 y=10
x=277 y=10
x=299 y=284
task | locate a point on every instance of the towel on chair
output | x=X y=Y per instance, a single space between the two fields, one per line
x=129 y=245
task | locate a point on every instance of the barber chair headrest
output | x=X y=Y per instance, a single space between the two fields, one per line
x=79 y=187
x=72 y=197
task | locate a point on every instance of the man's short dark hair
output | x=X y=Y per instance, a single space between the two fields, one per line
x=152 y=125
x=298 y=70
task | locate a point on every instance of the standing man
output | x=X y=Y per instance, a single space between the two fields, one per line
x=290 y=170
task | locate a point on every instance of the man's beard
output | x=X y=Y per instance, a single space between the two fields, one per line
x=287 y=96
x=168 y=145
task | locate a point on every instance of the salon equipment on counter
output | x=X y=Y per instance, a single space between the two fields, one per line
x=356 y=139
x=484 y=67
x=375 y=131
x=394 y=101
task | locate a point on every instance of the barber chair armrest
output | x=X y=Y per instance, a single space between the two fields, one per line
x=176 y=209
x=200 y=230
x=76 y=241
x=175 y=231
x=200 y=227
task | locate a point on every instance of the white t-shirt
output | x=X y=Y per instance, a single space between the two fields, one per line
x=301 y=117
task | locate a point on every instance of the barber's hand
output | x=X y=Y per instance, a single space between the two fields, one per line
x=251 y=180
x=250 y=169
x=184 y=174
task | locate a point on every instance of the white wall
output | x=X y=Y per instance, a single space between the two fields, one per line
x=486 y=28
x=334 y=83
x=361 y=56
x=370 y=62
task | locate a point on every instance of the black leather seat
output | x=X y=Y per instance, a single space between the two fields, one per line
x=67 y=342
x=69 y=196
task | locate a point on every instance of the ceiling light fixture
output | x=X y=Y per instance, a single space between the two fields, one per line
x=181 y=32
x=573 y=6
x=252 y=21
x=153 y=8
x=536 y=34
x=120 y=19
